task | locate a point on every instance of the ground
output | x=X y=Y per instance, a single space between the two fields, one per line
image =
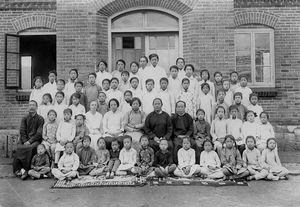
x=15 y=193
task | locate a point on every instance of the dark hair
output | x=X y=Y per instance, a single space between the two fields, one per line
x=83 y=116
x=250 y=111
x=200 y=110
x=42 y=145
x=49 y=96
x=136 y=63
x=94 y=74
x=78 y=82
x=76 y=95
x=243 y=76
x=220 y=90
x=128 y=91
x=114 y=140
x=115 y=100
x=189 y=65
x=218 y=72
x=180 y=102
x=122 y=61
x=101 y=138
x=153 y=55
x=205 y=84
x=149 y=80
x=70 y=142
x=144 y=58
x=253 y=95
x=208 y=140
x=232 y=107
x=101 y=92
x=136 y=99
x=237 y=94
x=174 y=67
x=251 y=137
x=61 y=93
x=164 y=79
x=102 y=61
x=220 y=107
x=106 y=79
x=229 y=136
x=266 y=113
x=127 y=137
x=180 y=58
x=204 y=70
x=61 y=80
x=114 y=78
x=36 y=104
x=157 y=99
x=268 y=140
x=187 y=138
x=52 y=111
x=234 y=72
x=52 y=71
x=86 y=137
x=185 y=79
x=67 y=110
x=75 y=70
x=131 y=79
x=125 y=72
x=144 y=136
x=38 y=78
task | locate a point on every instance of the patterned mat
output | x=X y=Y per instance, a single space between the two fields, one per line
x=100 y=181
x=170 y=181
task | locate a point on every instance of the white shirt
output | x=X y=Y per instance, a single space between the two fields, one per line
x=246 y=91
x=113 y=121
x=59 y=108
x=66 y=131
x=117 y=94
x=94 y=122
x=101 y=76
x=37 y=95
x=147 y=101
x=257 y=109
x=234 y=128
x=174 y=85
x=209 y=158
x=193 y=84
x=155 y=73
x=136 y=93
x=50 y=88
x=249 y=129
x=186 y=157
x=128 y=156
x=228 y=98
x=69 y=90
x=168 y=100
x=181 y=74
x=43 y=111
x=211 y=85
x=79 y=109
x=125 y=107
x=265 y=131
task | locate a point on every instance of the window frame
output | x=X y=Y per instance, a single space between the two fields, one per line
x=252 y=33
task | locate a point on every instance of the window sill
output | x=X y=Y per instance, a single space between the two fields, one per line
x=265 y=91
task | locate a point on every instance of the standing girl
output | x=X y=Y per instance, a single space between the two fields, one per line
x=37 y=91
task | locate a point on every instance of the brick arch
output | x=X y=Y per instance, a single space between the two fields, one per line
x=255 y=17
x=34 y=21
x=110 y=7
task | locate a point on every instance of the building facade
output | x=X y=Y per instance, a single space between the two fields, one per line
x=258 y=38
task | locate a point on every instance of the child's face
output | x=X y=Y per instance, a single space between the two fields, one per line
x=234 y=78
x=135 y=105
x=180 y=64
x=149 y=85
x=114 y=145
x=38 y=83
x=220 y=113
x=204 y=76
x=59 y=98
x=134 y=68
x=125 y=77
x=271 y=144
x=102 y=97
x=221 y=96
x=174 y=73
x=127 y=96
x=46 y=100
x=127 y=143
x=163 y=145
x=105 y=85
x=218 y=78
x=254 y=100
x=73 y=75
x=114 y=84
x=188 y=71
x=226 y=85
x=243 y=82
x=86 y=143
x=200 y=115
x=120 y=66
x=41 y=150
x=154 y=61
x=79 y=121
x=205 y=90
x=52 y=116
x=60 y=85
x=237 y=99
x=67 y=116
x=101 y=144
x=233 y=113
x=163 y=85
x=78 y=88
x=144 y=142
x=250 y=117
x=113 y=106
x=75 y=101
x=92 y=79
x=229 y=143
x=69 y=148
x=134 y=83
x=207 y=146
x=143 y=62
x=186 y=144
x=51 y=77
x=264 y=118
x=185 y=85
x=102 y=66
x=93 y=106
x=250 y=144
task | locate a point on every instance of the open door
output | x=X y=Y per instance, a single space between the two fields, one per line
x=12 y=62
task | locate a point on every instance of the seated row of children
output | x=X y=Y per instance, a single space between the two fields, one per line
x=230 y=165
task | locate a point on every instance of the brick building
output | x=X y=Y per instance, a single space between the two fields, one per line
x=255 y=37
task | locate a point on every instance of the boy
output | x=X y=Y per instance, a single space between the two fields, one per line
x=59 y=106
x=67 y=165
x=83 y=99
x=166 y=96
x=188 y=97
x=114 y=92
x=86 y=156
x=135 y=89
x=114 y=161
x=228 y=93
x=237 y=97
x=234 y=77
x=254 y=106
x=105 y=85
x=101 y=72
x=220 y=102
x=102 y=104
x=124 y=84
x=65 y=133
x=174 y=80
x=163 y=161
x=148 y=97
x=40 y=164
x=70 y=88
x=51 y=87
x=127 y=157
x=234 y=127
x=76 y=107
x=92 y=89
x=245 y=90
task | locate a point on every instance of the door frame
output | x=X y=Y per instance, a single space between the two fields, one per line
x=110 y=33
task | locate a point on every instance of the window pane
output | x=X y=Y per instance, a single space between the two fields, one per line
x=263 y=74
x=262 y=49
x=242 y=42
x=172 y=42
x=152 y=43
x=128 y=42
x=138 y=42
x=128 y=20
x=243 y=58
x=12 y=78
x=26 y=72
x=162 y=42
x=119 y=43
x=262 y=41
x=13 y=61
x=13 y=44
x=157 y=19
x=245 y=70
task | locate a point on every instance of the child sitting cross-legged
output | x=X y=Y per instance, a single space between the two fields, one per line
x=67 y=164
x=145 y=158
x=186 y=160
x=210 y=164
x=86 y=156
x=40 y=164
x=114 y=161
x=163 y=161
x=127 y=157
x=102 y=158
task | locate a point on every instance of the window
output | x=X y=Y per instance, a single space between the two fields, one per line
x=254 y=56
